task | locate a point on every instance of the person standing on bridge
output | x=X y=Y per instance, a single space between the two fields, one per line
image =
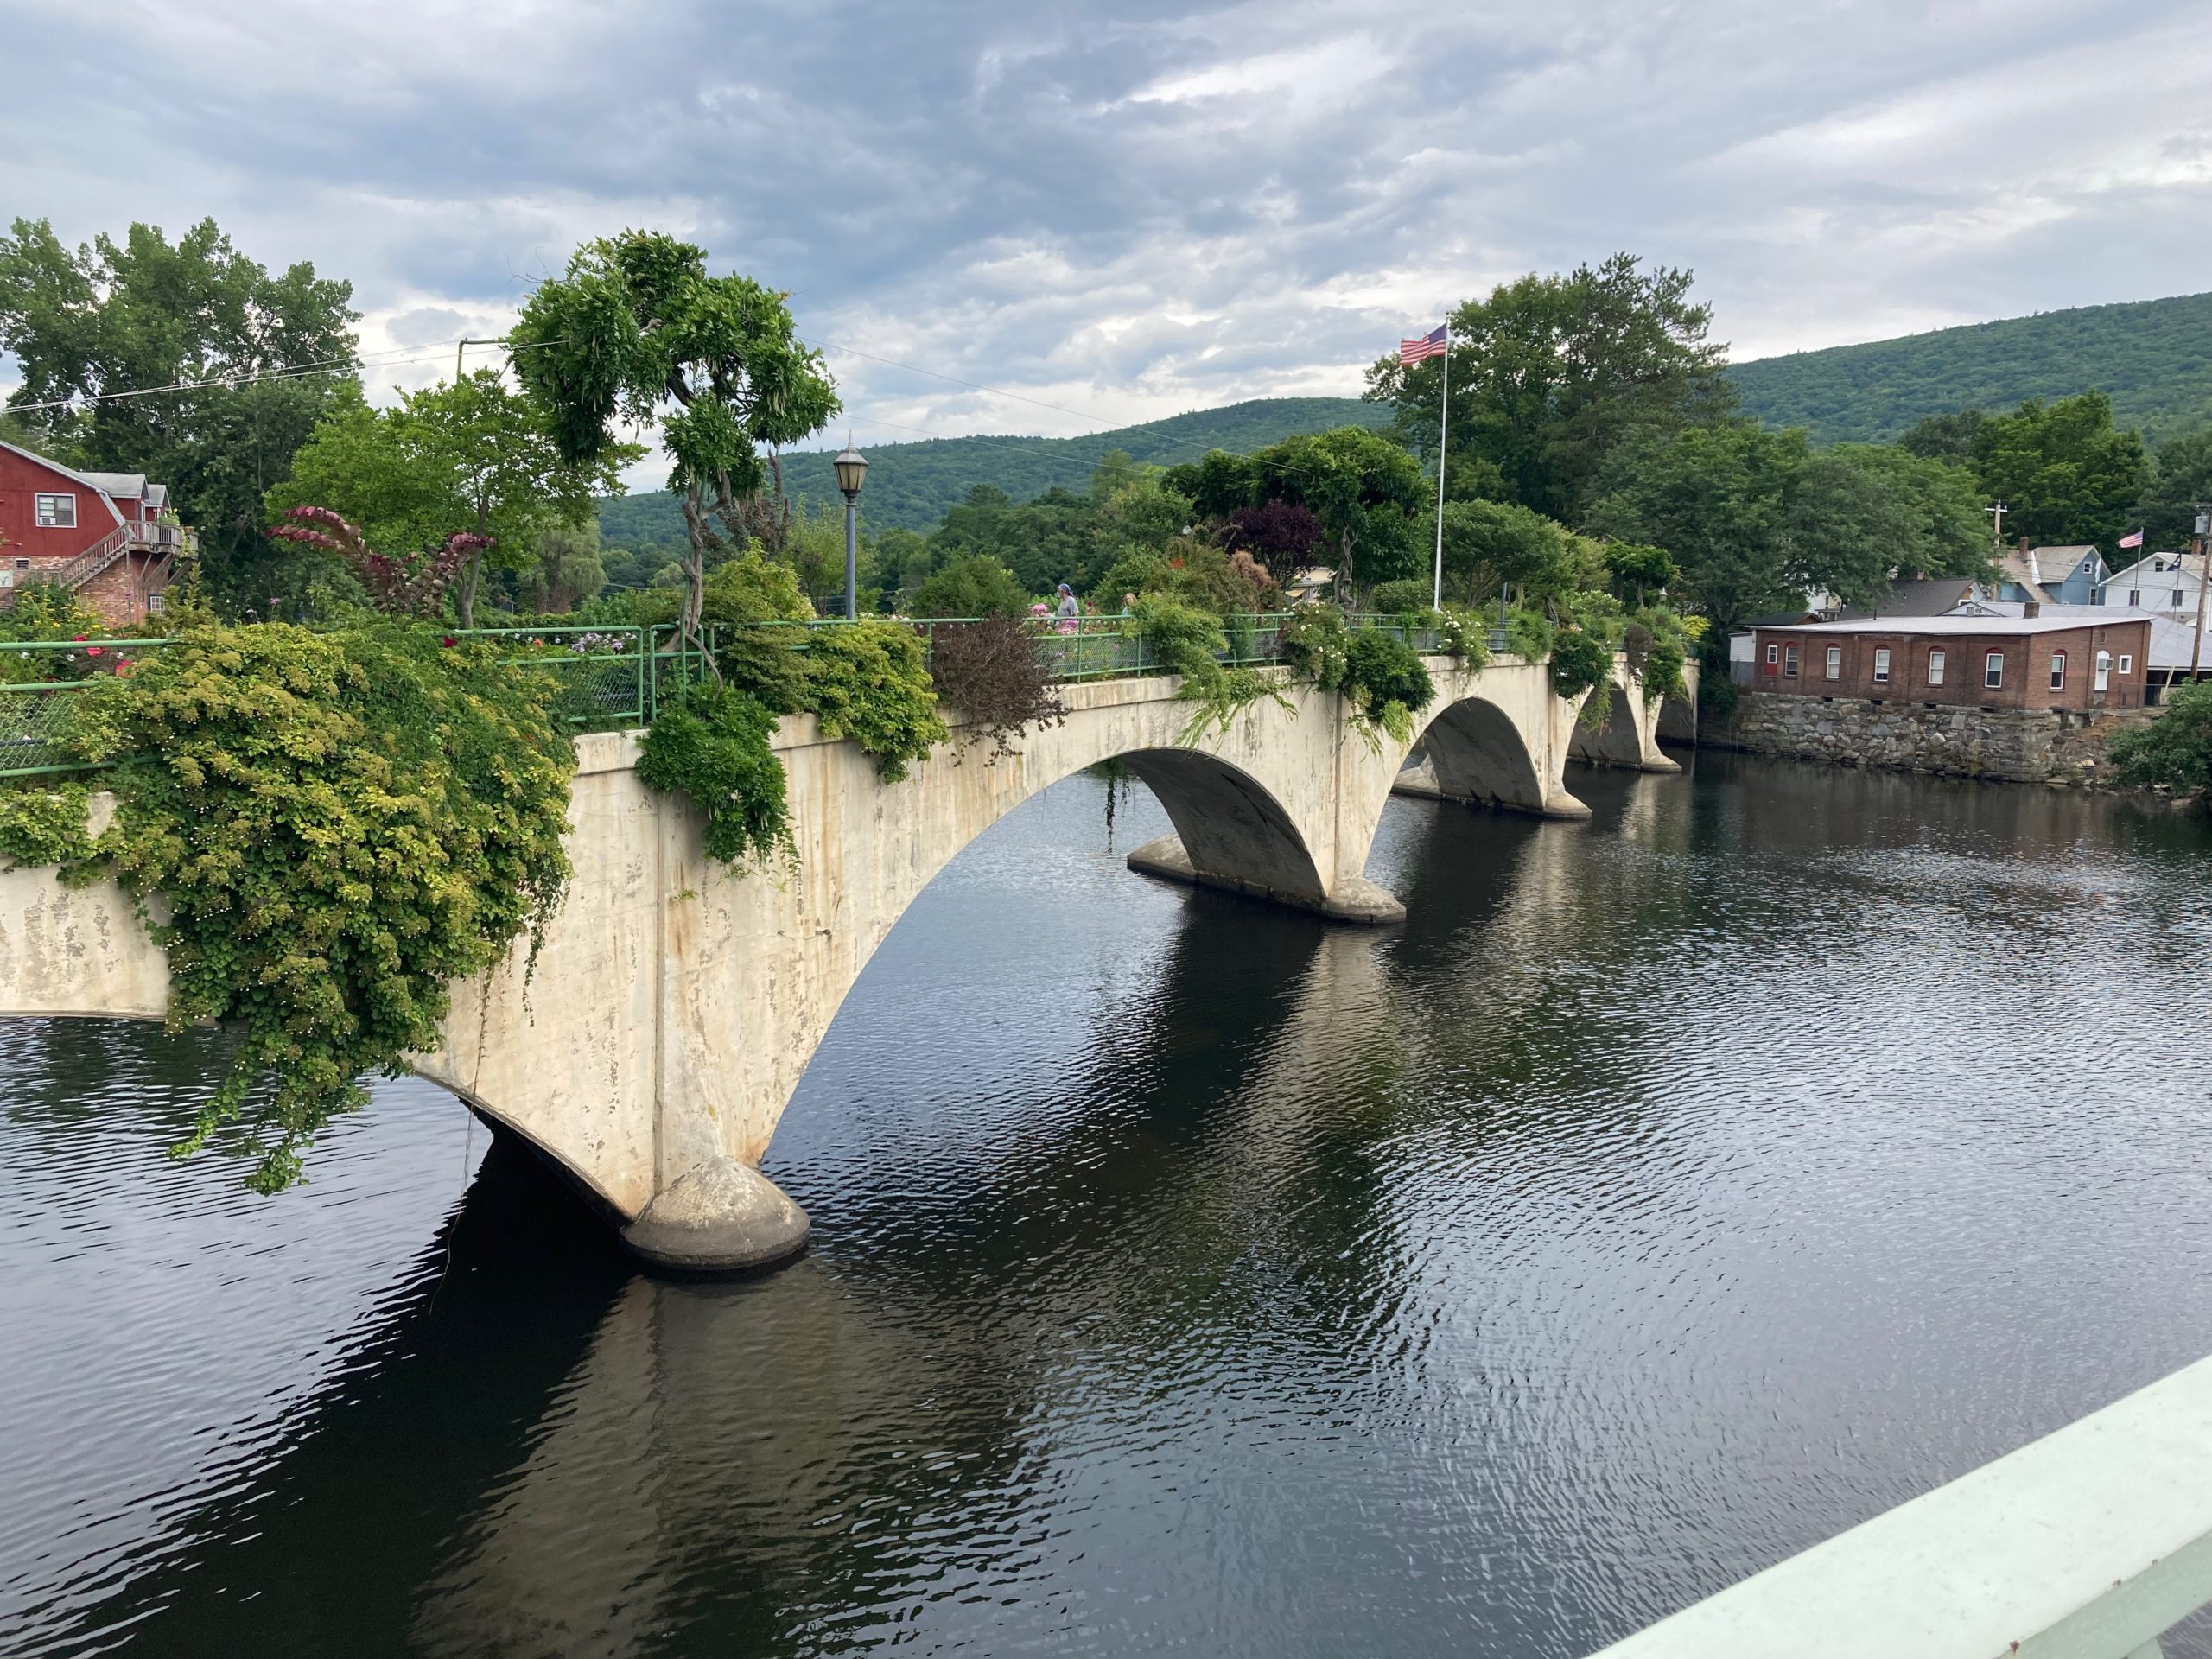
x=1069 y=609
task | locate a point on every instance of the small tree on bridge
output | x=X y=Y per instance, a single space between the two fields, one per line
x=638 y=332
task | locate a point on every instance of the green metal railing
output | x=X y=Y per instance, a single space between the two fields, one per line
x=599 y=678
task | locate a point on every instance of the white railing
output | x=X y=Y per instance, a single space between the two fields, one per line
x=2085 y=1544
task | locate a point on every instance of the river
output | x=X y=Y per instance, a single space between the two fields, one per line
x=1669 y=1193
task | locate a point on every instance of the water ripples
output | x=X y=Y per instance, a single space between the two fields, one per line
x=1667 y=1193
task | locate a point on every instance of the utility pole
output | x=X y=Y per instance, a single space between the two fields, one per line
x=1997 y=517
x=462 y=346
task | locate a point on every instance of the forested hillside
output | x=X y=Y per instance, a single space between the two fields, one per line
x=2154 y=357
x=911 y=485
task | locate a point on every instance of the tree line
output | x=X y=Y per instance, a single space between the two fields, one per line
x=1594 y=432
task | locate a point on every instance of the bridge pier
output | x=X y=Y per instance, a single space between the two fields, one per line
x=1356 y=899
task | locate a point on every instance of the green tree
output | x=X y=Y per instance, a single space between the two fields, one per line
x=636 y=330
x=1946 y=437
x=1639 y=574
x=977 y=585
x=1717 y=498
x=1492 y=545
x=2065 y=474
x=473 y=456
x=2181 y=477
x=196 y=314
x=1362 y=487
x=1844 y=528
x=1550 y=373
x=568 y=573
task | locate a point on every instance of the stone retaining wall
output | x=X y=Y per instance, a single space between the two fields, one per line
x=2034 y=745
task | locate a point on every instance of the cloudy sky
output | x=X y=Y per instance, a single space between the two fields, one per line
x=1131 y=211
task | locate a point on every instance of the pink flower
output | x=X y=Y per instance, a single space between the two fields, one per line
x=78 y=639
x=95 y=651
x=448 y=642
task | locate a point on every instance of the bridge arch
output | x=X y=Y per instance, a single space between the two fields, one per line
x=1617 y=739
x=1476 y=753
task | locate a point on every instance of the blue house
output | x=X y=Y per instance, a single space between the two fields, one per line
x=2056 y=576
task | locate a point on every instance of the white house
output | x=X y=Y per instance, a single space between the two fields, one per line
x=2158 y=582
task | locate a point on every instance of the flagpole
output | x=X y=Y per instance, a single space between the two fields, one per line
x=1443 y=428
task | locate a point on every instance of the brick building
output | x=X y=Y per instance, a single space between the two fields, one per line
x=1984 y=661
x=108 y=537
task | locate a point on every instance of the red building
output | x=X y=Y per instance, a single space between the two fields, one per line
x=1983 y=662
x=107 y=537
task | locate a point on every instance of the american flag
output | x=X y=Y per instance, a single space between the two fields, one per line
x=1423 y=347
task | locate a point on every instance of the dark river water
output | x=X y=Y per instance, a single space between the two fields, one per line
x=1669 y=1193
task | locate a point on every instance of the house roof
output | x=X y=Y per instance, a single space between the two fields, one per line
x=2171 y=640
x=1921 y=596
x=2078 y=616
x=2054 y=564
x=2014 y=566
x=53 y=466
x=126 y=487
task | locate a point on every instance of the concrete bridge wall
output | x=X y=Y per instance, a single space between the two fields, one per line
x=674 y=1004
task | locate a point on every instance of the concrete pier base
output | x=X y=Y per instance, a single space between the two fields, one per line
x=1419 y=782
x=1357 y=900
x=722 y=1217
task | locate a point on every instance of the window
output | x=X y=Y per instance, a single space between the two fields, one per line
x=2085 y=567
x=1773 y=656
x=1934 y=667
x=2057 y=670
x=1835 y=662
x=156 y=603
x=2177 y=599
x=2104 y=670
x=2135 y=596
x=2126 y=665
x=57 y=513
x=1881 y=665
x=2158 y=564
x=1992 y=669
x=1789 y=663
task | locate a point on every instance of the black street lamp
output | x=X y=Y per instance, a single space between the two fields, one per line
x=852 y=468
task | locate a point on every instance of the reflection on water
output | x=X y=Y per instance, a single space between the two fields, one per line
x=1669 y=1193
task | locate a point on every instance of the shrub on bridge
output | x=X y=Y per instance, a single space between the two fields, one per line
x=1408 y=596
x=44 y=611
x=1580 y=661
x=42 y=824
x=711 y=746
x=869 y=682
x=1528 y=633
x=1382 y=678
x=340 y=825
x=993 y=672
x=1189 y=641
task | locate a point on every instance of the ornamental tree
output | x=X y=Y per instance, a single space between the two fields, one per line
x=638 y=332
x=398 y=585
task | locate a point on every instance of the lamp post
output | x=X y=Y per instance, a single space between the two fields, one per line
x=852 y=468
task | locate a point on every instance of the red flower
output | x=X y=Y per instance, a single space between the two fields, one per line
x=94 y=651
x=448 y=642
x=78 y=639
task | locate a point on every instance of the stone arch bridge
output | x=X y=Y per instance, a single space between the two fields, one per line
x=674 y=1003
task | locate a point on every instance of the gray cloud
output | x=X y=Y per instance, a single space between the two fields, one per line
x=1161 y=207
